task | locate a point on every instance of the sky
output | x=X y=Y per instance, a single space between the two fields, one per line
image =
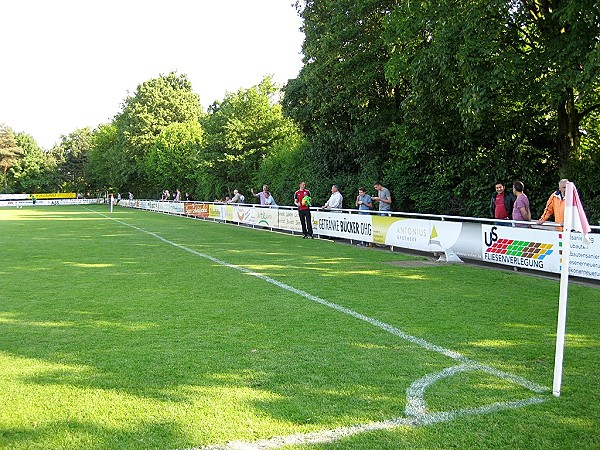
x=70 y=64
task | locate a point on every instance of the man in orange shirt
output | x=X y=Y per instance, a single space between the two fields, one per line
x=555 y=206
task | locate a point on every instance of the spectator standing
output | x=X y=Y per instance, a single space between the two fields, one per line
x=262 y=195
x=383 y=197
x=555 y=206
x=237 y=198
x=364 y=204
x=177 y=197
x=269 y=200
x=502 y=203
x=335 y=200
x=521 y=209
x=302 y=201
x=363 y=200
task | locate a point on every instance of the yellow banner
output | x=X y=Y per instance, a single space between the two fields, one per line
x=381 y=225
x=54 y=195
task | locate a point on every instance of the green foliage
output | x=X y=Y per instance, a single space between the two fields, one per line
x=103 y=170
x=283 y=168
x=71 y=158
x=9 y=152
x=341 y=99
x=156 y=104
x=585 y=172
x=241 y=131
x=174 y=159
x=482 y=104
x=36 y=170
x=438 y=100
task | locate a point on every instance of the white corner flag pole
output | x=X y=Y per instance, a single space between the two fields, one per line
x=564 y=291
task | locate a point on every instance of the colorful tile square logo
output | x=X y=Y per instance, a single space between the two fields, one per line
x=521 y=249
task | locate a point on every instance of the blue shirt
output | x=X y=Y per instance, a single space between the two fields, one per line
x=364 y=199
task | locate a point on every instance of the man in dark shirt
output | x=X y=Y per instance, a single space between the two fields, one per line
x=502 y=203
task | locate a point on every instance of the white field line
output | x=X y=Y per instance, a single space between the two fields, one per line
x=416 y=409
x=326 y=436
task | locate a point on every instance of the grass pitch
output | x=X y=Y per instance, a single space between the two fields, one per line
x=140 y=330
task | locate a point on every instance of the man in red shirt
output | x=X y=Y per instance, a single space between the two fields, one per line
x=502 y=203
x=304 y=210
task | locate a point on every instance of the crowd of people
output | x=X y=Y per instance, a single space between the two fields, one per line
x=504 y=205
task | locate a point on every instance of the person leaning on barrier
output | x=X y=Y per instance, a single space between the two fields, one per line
x=502 y=203
x=236 y=197
x=364 y=204
x=521 y=209
x=363 y=200
x=555 y=206
x=262 y=195
x=383 y=197
x=335 y=200
x=269 y=200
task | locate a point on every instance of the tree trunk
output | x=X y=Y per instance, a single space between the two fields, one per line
x=568 y=131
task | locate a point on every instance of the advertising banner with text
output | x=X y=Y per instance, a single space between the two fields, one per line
x=348 y=226
x=266 y=217
x=244 y=214
x=290 y=221
x=215 y=212
x=584 y=262
x=521 y=247
x=196 y=209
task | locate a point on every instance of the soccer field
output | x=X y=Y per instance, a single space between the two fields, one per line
x=140 y=330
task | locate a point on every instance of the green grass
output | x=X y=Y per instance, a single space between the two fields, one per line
x=111 y=338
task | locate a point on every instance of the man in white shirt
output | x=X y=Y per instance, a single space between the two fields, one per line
x=335 y=201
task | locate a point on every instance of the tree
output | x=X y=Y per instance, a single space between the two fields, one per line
x=561 y=41
x=341 y=98
x=103 y=170
x=9 y=151
x=156 y=104
x=284 y=167
x=35 y=171
x=174 y=159
x=71 y=156
x=241 y=132
x=486 y=82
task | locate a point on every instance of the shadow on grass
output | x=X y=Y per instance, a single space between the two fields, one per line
x=82 y=433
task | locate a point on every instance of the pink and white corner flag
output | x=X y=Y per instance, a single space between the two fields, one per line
x=575 y=211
